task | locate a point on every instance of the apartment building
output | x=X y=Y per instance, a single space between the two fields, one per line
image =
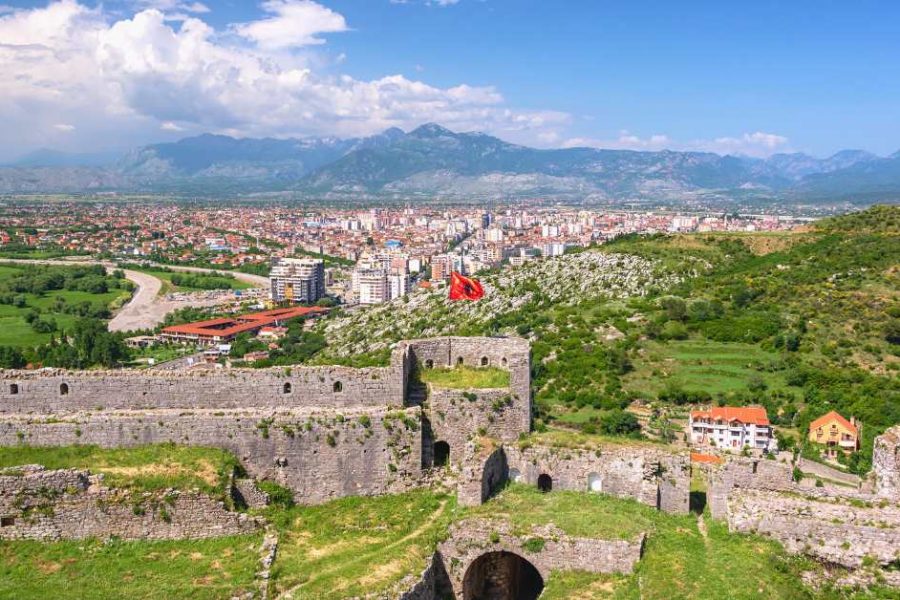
x=732 y=427
x=299 y=280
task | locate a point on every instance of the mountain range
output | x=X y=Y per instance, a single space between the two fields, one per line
x=431 y=161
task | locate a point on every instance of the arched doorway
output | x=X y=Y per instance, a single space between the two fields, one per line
x=545 y=482
x=441 y=454
x=515 y=475
x=595 y=482
x=502 y=576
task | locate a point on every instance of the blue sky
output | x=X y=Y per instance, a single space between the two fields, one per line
x=749 y=77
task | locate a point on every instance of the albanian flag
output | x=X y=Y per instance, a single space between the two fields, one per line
x=463 y=288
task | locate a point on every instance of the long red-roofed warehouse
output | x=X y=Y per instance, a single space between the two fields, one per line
x=224 y=329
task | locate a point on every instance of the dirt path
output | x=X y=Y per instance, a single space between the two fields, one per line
x=368 y=555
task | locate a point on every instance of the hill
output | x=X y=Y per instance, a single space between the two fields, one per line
x=802 y=325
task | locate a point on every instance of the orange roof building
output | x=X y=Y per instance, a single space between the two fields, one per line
x=733 y=427
x=224 y=329
x=835 y=432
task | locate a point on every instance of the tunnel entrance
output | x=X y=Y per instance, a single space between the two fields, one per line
x=502 y=576
x=545 y=482
x=441 y=454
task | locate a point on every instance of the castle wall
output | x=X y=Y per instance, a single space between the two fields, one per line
x=319 y=455
x=39 y=392
x=886 y=464
x=747 y=473
x=71 y=504
x=650 y=476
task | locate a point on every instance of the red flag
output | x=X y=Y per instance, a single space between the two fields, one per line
x=463 y=288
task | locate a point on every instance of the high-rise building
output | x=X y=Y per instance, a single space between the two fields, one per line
x=371 y=286
x=299 y=280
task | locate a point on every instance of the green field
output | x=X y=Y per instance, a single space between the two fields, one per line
x=703 y=365
x=196 y=569
x=463 y=377
x=357 y=546
x=16 y=331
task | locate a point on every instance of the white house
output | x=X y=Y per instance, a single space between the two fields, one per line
x=732 y=427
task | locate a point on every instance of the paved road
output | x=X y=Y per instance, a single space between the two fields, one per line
x=146 y=309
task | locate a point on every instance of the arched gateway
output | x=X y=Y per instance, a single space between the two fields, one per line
x=502 y=576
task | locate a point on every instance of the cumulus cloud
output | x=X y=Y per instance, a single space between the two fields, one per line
x=758 y=144
x=122 y=81
x=293 y=23
x=64 y=127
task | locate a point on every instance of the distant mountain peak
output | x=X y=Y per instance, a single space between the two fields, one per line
x=430 y=130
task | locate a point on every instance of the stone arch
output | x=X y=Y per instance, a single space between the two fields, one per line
x=502 y=575
x=544 y=482
x=484 y=361
x=441 y=453
x=63 y=389
x=515 y=475
x=14 y=388
x=338 y=387
x=287 y=388
x=429 y=364
x=460 y=361
x=504 y=362
x=595 y=482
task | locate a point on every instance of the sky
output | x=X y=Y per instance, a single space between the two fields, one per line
x=751 y=78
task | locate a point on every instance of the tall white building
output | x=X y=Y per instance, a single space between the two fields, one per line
x=300 y=280
x=732 y=427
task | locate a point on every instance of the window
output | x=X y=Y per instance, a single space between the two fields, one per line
x=63 y=389
x=338 y=386
x=7 y=521
x=503 y=361
x=287 y=388
x=484 y=361
x=14 y=388
x=441 y=454
x=459 y=361
x=545 y=482
x=429 y=364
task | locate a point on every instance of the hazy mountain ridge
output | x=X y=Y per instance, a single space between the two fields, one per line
x=434 y=161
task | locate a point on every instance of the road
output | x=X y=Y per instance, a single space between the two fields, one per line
x=147 y=308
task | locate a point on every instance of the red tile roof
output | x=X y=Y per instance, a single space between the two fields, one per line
x=705 y=458
x=226 y=327
x=755 y=415
x=833 y=415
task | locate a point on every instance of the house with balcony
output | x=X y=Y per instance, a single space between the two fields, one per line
x=835 y=433
x=732 y=427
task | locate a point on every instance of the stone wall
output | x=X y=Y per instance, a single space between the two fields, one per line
x=70 y=504
x=886 y=464
x=747 y=473
x=58 y=391
x=654 y=477
x=831 y=528
x=320 y=455
x=483 y=473
x=470 y=539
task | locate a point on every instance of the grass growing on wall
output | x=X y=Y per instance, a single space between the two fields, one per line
x=144 y=468
x=357 y=546
x=464 y=377
x=195 y=569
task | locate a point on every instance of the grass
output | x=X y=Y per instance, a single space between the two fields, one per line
x=357 y=546
x=702 y=365
x=196 y=569
x=561 y=438
x=144 y=468
x=581 y=585
x=464 y=377
x=15 y=331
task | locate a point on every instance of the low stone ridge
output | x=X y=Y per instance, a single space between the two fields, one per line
x=37 y=504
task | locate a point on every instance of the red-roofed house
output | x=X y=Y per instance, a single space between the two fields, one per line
x=834 y=431
x=733 y=427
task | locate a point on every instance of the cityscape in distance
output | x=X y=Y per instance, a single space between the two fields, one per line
x=449 y=300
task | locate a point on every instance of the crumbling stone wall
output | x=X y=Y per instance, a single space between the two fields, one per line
x=483 y=473
x=654 y=477
x=747 y=473
x=320 y=455
x=886 y=464
x=71 y=504
x=829 y=527
x=472 y=538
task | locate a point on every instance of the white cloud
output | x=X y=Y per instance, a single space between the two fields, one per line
x=170 y=126
x=173 y=5
x=64 y=127
x=294 y=23
x=756 y=144
x=121 y=81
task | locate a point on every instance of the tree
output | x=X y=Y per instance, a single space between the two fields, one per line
x=11 y=358
x=619 y=422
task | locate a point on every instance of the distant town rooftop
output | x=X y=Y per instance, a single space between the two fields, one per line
x=227 y=328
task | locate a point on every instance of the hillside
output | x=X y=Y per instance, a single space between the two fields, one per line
x=432 y=161
x=803 y=325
